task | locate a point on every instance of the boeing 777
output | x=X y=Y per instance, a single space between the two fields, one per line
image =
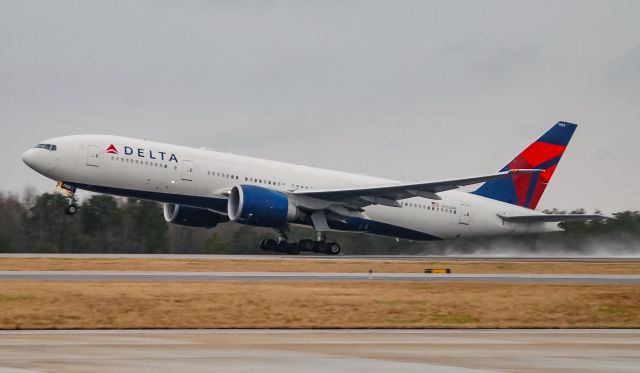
x=203 y=188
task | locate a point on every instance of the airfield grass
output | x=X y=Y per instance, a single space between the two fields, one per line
x=317 y=265
x=367 y=304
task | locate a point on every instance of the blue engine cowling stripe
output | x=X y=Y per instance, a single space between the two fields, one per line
x=263 y=207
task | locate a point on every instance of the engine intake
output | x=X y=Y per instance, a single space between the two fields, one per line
x=260 y=207
x=188 y=216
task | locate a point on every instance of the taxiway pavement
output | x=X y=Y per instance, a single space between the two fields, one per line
x=369 y=351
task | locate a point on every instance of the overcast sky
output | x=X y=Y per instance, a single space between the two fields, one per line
x=410 y=90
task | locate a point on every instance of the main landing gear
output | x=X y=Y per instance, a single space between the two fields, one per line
x=295 y=248
x=281 y=245
x=70 y=192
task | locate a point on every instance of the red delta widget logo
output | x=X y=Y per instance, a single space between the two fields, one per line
x=144 y=153
x=111 y=149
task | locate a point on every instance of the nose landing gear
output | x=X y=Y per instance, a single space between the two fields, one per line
x=70 y=192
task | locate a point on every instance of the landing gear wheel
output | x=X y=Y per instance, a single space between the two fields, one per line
x=307 y=245
x=321 y=247
x=333 y=248
x=71 y=210
x=293 y=249
x=282 y=247
x=263 y=245
x=268 y=245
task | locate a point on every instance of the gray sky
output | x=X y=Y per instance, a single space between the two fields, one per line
x=411 y=90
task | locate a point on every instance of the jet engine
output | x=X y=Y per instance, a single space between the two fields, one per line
x=260 y=207
x=192 y=216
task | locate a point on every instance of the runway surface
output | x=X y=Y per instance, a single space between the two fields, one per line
x=369 y=351
x=307 y=256
x=313 y=276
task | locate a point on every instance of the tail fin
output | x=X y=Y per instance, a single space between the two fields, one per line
x=526 y=189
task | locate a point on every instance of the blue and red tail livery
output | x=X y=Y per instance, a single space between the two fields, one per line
x=526 y=190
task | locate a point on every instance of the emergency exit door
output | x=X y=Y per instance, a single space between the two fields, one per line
x=187 y=170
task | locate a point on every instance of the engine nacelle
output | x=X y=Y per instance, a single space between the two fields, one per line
x=260 y=207
x=191 y=216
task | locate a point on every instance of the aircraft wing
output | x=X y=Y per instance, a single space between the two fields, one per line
x=550 y=218
x=389 y=194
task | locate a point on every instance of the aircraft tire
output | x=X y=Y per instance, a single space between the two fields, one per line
x=269 y=244
x=263 y=245
x=333 y=248
x=71 y=210
x=321 y=247
x=307 y=245
x=293 y=249
x=282 y=247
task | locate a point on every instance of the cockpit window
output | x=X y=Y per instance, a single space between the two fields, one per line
x=50 y=147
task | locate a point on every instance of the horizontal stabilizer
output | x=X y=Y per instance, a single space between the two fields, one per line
x=550 y=218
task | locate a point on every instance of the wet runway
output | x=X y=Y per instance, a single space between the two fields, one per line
x=313 y=276
x=368 y=351
x=310 y=256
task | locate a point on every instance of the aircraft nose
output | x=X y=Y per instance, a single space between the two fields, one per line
x=40 y=160
x=29 y=157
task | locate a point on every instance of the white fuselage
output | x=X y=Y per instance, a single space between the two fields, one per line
x=202 y=178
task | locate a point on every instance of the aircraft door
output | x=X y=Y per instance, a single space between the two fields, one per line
x=465 y=214
x=93 y=155
x=187 y=170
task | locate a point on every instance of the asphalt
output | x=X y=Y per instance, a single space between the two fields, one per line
x=308 y=256
x=313 y=276
x=366 y=351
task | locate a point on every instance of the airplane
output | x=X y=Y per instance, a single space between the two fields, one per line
x=203 y=188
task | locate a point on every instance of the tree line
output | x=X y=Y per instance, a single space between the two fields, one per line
x=107 y=224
